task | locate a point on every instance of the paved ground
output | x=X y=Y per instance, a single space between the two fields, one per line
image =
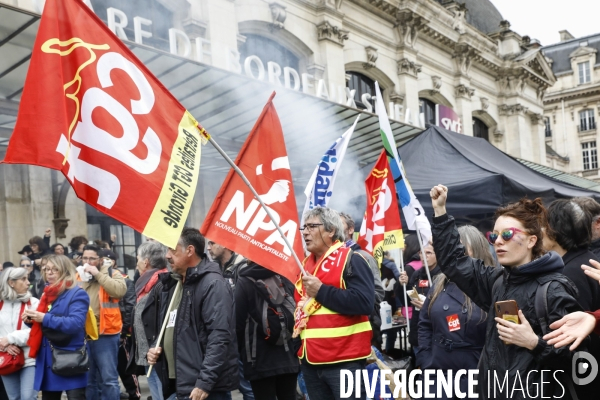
x=236 y=395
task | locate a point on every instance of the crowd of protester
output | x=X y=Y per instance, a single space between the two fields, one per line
x=201 y=321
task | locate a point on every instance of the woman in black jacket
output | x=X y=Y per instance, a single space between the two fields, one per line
x=271 y=368
x=513 y=353
x=451 y=327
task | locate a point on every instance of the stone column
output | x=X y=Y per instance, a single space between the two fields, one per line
x=538 y=138
x=408 y=26
x=516 y=132
x=463 y=94
x=222 y=30
x=331 y=45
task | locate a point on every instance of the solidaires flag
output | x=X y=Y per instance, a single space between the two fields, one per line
x=412 y=209
x=381 y=229
x=92 y=110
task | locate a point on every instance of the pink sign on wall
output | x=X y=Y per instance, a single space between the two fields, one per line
x=448 y=119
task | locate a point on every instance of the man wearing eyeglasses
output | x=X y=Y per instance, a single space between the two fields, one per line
x=105 y=290
x=342 y=284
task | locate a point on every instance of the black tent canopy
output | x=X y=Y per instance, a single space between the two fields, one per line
x=479 y=177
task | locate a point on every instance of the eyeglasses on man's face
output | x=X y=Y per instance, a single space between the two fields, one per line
x=310 y=227
x=86 y=259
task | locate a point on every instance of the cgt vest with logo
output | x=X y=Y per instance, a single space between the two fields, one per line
x=330 y=337
x=110 y=313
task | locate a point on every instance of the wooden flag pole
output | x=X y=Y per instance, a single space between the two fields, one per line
x=256 y=195
x=423 y=253
x=164 y=325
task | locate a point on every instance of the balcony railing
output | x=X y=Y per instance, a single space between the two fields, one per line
x=588 y=126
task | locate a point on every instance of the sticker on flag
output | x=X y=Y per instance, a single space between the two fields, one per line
x=92 y=110
x=423 y=283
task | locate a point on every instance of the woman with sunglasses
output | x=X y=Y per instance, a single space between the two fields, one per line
x=516 y=352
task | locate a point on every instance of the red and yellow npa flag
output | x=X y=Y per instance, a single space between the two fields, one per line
x=381 y=229
x=92 y=110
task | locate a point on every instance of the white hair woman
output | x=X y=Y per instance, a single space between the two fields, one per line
x=14 y=300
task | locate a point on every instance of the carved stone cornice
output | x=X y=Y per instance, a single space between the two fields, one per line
x=408 y=67
x=372 y=56
x=278 y=14
x=464 y=55
x=498 y=135
x=408 y=25
x=326 y=31
x=485 y=103
x=316 y=70
x=536 y=119
x=462 y=91
x=436 y=84
x=512 y=109
x=396 y=98
x=512 y=83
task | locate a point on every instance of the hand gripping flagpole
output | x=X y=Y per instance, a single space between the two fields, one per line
x=256 y=195
x=164 y=325
x=400 y=266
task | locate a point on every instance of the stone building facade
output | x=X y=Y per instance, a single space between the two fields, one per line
x=572 y=105
x=457 y=54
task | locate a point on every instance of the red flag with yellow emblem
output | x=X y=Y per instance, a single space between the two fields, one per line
x=381 y=229
x=92 y=110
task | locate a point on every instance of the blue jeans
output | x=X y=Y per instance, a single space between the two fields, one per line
x=154 y=385
x=103 y=368
x=245 y=387
x=19 y=385
x=323 y=381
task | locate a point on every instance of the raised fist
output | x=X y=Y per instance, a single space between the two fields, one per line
x=279 y=192
x=439 y=195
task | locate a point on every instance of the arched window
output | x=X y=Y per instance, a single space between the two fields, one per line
x=480 y=129
x=362 y=84
x=427 y=108
x=268 y=50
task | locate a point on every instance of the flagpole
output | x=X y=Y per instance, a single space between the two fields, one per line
x=423 y=253
x=400 y=267
x=164 y=325
x=256 y=195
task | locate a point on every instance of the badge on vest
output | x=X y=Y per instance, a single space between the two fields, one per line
x=423 y=283
x=453 y=322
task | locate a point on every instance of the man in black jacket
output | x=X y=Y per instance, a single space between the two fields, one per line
x=199 y=344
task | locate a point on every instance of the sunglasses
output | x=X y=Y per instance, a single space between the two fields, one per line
x=506 y=234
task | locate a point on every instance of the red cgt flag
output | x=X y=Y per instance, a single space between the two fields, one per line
x=91 y=109
x=237 y=221
x=381 y=229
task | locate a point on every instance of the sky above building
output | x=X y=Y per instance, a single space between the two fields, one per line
x=542 y=19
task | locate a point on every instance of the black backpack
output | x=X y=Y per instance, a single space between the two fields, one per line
x=276 y=309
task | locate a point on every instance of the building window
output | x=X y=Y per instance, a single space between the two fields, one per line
x=480 y=129
x=584 y=72
x=427 y=110
x=590 y=156
x=267 y=50
x=363 y=85
x=547 y=127
x=161 y=17
x=586 y=120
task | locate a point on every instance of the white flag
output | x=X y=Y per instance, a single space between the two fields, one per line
x=320 y=186
x=412 y=209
